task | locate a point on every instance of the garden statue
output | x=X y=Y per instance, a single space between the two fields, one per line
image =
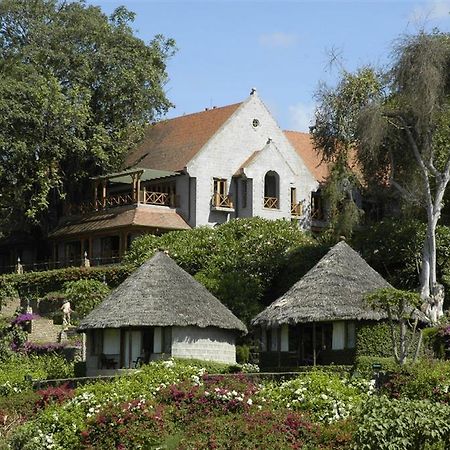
x=66 y=310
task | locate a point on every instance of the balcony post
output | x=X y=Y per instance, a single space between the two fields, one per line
x=104 y=193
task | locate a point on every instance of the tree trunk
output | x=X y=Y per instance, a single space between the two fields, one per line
x=431 y=292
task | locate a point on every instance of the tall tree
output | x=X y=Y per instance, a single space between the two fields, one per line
x=397 y=123
x=76 y=89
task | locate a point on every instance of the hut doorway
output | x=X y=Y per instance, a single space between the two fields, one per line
x=309 y=340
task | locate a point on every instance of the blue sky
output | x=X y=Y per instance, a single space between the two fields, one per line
x=279 y=47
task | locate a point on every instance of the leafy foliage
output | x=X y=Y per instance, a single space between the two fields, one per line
x=402 y=425
x=39 y=284
x=85 y=295
x=76 y=88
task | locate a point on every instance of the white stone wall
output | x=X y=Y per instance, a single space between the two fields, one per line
x=231 y=146
x=209 y=344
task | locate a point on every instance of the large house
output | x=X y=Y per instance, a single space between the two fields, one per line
x=197 y=169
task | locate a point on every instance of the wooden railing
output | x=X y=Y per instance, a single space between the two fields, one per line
x=118 y=200
x=222 y=200
x=271 y=202
x=296 y=209
x=112 y=201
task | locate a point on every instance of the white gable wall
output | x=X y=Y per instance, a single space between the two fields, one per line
x=230 y=147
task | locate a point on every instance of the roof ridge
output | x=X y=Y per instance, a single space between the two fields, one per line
x=215 y=108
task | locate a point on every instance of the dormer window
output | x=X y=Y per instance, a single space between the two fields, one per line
x=272 y=190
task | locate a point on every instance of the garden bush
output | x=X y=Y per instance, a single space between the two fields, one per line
x=178 y=405
x=17 y=371
x=85 y=295
x=374 y=339
x=36 y=285
x=328 y=397
x=364 y=365
x=424 y=380
x=390 y=424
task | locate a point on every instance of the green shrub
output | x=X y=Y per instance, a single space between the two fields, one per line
x=85 y=295
x=424 y=380
x=402 y=425
x=242 y=353
x=326 y=396
x=16 y=372
x=38 y=284
x=374 y=339
x=364 y=365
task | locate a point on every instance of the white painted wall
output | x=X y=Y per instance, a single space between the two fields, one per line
x=209 y=344
x=231 y=146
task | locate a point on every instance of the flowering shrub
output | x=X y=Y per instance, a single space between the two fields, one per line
x=39 y=349
x=324 y=395
x=23 y=318
x=53 y=394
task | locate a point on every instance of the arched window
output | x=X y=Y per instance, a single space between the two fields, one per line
x=272 y=190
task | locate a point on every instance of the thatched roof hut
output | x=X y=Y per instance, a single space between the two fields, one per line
x=334 y=289
x=160 y=293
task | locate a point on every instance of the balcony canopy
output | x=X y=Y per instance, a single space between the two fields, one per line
x=126 y=176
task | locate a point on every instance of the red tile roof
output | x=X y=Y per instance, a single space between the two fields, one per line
x=171 y=144
x=141 y=216
x=303 y=144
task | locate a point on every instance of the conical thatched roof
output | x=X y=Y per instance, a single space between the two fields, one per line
x=160 y=293
x=333 y=289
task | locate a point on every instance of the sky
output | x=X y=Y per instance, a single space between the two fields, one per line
x=281 y=48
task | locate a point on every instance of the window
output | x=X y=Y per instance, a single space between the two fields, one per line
x=221 y=198
x=296 y=208
x=271 y=190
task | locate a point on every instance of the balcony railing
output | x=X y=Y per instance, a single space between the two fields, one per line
x=159 y=198
x=296 y=209
x=222 y=201
x=271 y=202
x=112 y=201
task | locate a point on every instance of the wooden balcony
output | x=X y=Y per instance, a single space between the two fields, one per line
x=271 y=202
x=222 y=202
x=159 y=198
x=296 y=209
x=115 y=200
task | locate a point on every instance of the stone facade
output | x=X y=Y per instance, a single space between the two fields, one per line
x=209 y=344
x=251 y=132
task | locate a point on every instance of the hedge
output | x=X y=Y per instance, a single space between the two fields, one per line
x=374 y=339
x=38 y=284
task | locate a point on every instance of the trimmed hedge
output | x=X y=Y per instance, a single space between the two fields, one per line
x=39 y=284
x=374 y=339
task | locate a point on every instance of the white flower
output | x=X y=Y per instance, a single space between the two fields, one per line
x=250 y=402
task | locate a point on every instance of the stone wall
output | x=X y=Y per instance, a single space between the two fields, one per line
x=209 y=344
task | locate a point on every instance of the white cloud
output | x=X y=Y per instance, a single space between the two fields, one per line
x=277 y=40
x=301 y=116
x=431 y=10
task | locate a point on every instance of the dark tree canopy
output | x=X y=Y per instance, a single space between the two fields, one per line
x=76 y=89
